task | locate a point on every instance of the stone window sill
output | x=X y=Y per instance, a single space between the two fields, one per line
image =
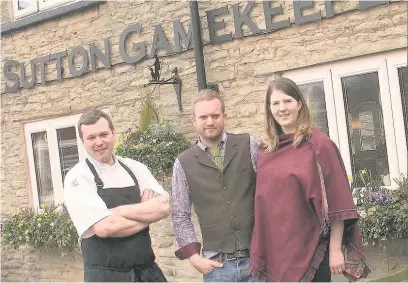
x=47 y=15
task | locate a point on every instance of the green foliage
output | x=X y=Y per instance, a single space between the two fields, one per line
x=148 y=113
x=402 y=183
x=383 y=212
x=157 y=147
x=48 y=228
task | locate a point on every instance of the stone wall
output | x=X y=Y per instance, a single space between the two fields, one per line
x=242 y=68
x=5 y=11
x=29 y=264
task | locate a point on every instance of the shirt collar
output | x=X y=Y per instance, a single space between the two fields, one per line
x=101 y=165
x=205 y=147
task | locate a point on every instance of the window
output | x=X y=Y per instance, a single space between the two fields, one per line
x=362 y=104
x=42 y=168
x=53 y=148
x=23 y=8
x=314 y=96
x=368 y=150
x=317 y=90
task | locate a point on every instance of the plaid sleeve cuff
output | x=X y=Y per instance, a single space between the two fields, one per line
x=188 y=250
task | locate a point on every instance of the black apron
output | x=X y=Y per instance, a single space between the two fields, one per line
x=121 y=259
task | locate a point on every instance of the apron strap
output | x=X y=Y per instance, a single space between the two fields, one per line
x=97 y=180
x=129 y=171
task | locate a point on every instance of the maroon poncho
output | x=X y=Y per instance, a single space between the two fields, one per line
x=290 y=233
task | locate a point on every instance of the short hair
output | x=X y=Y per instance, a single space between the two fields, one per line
x=91 y=117
x=207 y=95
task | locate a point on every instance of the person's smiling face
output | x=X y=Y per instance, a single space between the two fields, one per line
x=285 y=110
x=99 y=140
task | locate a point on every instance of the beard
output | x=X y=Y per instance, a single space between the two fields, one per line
x=214 y=135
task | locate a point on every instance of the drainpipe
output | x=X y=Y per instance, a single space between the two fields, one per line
x=198 y=45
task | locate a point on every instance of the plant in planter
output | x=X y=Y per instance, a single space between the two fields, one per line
x=383 y=212
x=402 y=183
x=49 y=228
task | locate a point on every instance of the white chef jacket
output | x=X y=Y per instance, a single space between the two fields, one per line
x=85 y=206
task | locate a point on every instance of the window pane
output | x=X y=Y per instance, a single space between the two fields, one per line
x=68 y=149
x=314 y=96
x=22 y=8
x=42 y=168
x=403 y=78
x=23 y=4
x=366 y=128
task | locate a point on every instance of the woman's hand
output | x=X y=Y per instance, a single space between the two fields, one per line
x=336 y=257
x=336 y=261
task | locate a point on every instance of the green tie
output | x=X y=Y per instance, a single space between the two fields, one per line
x=216 y=154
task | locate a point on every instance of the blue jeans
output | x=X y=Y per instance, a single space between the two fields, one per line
x=236 y=270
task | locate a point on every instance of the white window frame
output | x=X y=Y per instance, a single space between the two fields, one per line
x=394 y=62
x=25 y=12
x=359 y=66
x=322 y=74
x=385 y=64
x=49 y=4
x=39 y=7
x=50 y=127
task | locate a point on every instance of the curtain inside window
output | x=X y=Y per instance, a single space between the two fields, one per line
x=42 y=168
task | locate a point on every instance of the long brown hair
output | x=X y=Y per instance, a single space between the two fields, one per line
x=272 y=128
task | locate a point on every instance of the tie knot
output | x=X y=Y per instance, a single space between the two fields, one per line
x=216 y=154
x=215 y=151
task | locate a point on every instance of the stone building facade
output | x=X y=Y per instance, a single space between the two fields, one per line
x=335 y=51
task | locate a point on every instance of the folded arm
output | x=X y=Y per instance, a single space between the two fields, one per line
x=117 y=226
x=90 y=214
x=149 y=211
x=154 y=204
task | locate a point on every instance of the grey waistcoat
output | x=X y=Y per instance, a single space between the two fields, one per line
x=223 y=201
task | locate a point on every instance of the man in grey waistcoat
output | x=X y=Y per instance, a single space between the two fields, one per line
x=217 y=175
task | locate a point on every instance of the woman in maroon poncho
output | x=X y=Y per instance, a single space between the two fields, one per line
x=305 y=219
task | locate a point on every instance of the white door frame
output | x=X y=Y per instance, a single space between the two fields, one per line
x=358 y=66
x=394 y=61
